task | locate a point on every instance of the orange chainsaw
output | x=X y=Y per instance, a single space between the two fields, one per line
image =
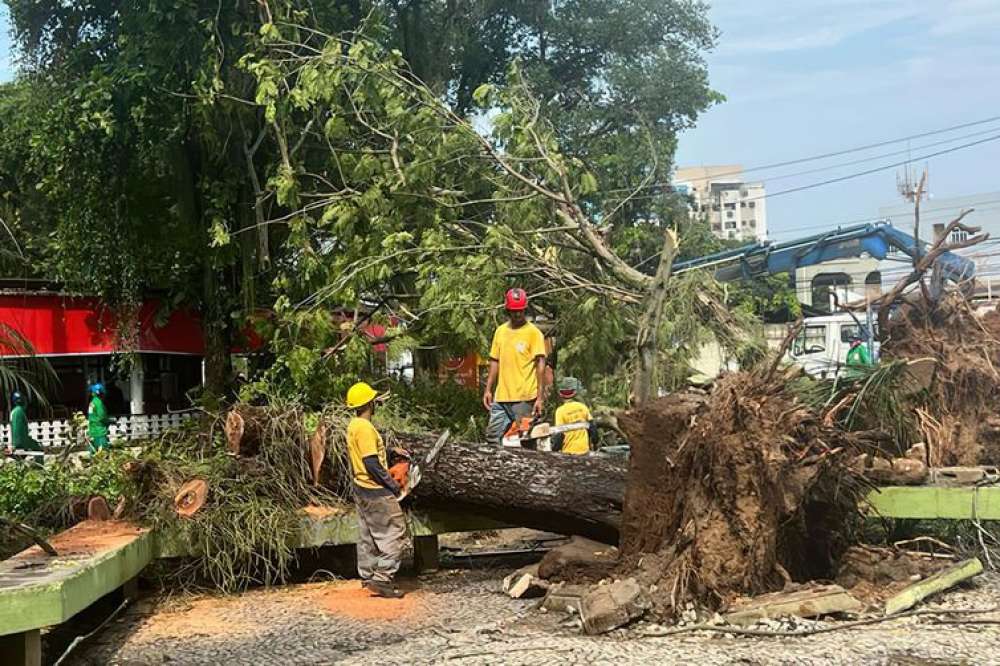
x=528 y=433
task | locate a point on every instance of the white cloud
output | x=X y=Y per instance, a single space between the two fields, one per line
x=773 y=25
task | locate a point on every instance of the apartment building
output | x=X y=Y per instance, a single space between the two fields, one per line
x=735 y=209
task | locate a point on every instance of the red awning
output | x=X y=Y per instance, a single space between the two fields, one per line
x=61 y=326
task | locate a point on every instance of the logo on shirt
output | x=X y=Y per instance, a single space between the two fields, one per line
x=521 y=347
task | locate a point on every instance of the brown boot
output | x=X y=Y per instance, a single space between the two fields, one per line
x=386 y=590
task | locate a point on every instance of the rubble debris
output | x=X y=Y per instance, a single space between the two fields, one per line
x=525 y=583
x=961 y=476
x=917 y=452
x=609 y=606
x=580 y=560
x=564 y=597
x=879 y=568
x=813 y=601
x=944 y=579
x=897 y=471
x=908 y=472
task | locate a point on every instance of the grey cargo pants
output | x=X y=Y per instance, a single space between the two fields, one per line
x=381 y=531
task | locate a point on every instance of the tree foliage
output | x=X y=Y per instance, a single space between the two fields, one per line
x=284 y=155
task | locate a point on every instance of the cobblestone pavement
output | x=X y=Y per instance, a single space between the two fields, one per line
x=461 y=617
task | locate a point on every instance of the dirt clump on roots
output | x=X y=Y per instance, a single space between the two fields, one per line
x=956 y=413
x=734 y=493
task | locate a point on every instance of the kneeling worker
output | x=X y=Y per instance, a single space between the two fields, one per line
x=574 y=442
x=381 y=526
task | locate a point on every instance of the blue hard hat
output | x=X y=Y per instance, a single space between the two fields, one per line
x=97 y=387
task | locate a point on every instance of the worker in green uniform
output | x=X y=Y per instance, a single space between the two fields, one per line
x=20 y=438
x=97 y=419
x=857 y=355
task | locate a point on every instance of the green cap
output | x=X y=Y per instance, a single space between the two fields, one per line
x=568 y=386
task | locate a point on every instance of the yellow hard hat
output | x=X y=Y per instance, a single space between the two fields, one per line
x=360 y=395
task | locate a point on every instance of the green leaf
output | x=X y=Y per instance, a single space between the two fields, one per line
x=482 y=94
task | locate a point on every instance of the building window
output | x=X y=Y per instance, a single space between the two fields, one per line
x=730 y=206
x=753 y=204
x=823 y=287
x=716 y=227
x=729 y=213
x=873 y=284
x=958 y=236
x=715 y=207
x=753 y=223
x=743 y=204
x=730 y=225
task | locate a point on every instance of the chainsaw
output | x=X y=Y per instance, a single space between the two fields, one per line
x=528 y=433
x=405 y=471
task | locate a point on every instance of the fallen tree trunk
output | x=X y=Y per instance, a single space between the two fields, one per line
x=548 y=491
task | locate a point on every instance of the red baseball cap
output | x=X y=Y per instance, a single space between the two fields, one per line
x=517 y=299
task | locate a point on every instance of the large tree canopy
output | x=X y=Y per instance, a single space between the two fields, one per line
x=276 y=154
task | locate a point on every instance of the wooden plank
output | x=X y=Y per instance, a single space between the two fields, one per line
x=942 y=580
x=931 y=502
x=811 y=602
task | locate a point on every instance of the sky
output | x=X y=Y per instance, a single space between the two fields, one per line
x=807 y=77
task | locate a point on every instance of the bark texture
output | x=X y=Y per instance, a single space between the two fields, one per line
x=543 y=490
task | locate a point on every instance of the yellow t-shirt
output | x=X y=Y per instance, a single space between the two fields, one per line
x=363 y=441
x=576 y=442
x=516 y=350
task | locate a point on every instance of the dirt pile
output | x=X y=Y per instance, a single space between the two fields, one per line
x=733 y=493
x=955 y=412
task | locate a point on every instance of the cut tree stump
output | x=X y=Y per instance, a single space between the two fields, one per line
x=940 y=581
x=811 y=602
x=190 y=498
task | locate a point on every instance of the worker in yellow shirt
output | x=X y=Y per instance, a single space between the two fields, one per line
x=517 y=368
x=574 y=442
x=381 y=525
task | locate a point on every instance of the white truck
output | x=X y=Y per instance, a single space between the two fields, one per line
x=822 y=345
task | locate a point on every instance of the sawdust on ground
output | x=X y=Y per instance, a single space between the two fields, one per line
x=87 y=538
x=351 y=600
x=206 y=616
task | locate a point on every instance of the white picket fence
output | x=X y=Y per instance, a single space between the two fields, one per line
x=58 y=432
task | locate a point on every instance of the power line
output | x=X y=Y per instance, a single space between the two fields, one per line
x=940 y=212
x=822 y=156
x=850 y=176
x=952 y=212
x=867 y=172
x=871 y=158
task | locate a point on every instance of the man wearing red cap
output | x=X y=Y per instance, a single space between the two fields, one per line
x=517 y=360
